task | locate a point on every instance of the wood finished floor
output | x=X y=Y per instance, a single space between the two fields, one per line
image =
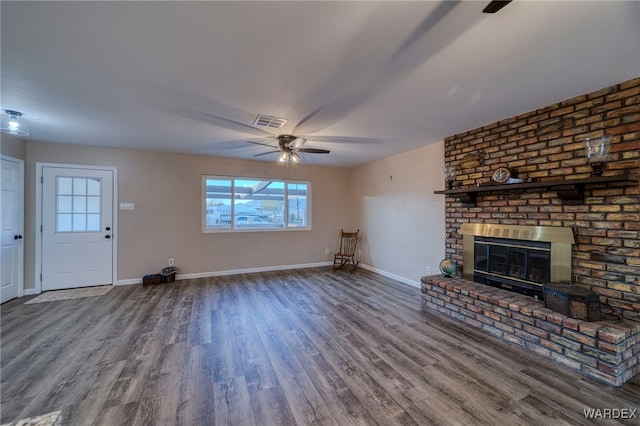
x=278 y=348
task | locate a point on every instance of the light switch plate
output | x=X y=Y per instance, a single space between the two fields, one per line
x=127 y=206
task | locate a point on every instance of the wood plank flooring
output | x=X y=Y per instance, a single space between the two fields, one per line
x=302 y=347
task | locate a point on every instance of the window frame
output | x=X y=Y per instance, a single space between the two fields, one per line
x=231 y=229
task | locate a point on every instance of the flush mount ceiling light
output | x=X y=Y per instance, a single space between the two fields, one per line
x=14 y=123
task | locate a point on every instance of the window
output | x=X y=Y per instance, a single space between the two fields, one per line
x=77 y=204
x=237 y=204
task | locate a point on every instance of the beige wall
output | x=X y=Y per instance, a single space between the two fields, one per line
x=401 y=219
x=166 y=222
x=13 y=147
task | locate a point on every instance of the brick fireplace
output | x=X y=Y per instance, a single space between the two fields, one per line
x=547 y=145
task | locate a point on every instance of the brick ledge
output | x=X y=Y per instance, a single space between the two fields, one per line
x=607 y=351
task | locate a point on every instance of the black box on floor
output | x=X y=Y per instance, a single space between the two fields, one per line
x=572 y=300
x=152 y=279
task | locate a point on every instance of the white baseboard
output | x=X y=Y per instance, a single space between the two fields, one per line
x=390 y=275
x=232 y=272
x=129 y=282
x=404 y=280
x=30 y=292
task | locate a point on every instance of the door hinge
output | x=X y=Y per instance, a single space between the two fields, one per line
x=41 y=228
x=40 y=277
x=41 y=179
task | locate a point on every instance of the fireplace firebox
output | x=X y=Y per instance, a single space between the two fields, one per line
x=517 y=265
x=515 y=257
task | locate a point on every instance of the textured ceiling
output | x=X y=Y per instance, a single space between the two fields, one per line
x=363 y=79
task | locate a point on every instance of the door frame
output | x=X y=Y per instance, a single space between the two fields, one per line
x=20 y=220
x=38 y=223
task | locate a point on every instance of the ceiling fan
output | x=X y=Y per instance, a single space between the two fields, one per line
x=288 y=147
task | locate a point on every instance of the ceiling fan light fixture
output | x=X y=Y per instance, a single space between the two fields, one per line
x=288 y=149
x=14 y=123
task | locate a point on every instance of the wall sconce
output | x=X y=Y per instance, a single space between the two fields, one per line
x=449 y=175
x=597 y=153
x=14 y=123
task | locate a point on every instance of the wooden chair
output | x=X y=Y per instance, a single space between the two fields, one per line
x=347 y=251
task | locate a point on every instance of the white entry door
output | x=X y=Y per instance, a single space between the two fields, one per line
x=12 y=220
x=77 y=227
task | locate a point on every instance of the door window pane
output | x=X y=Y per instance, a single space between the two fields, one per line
x=79 y=222
x=63 y=223
x=65 y=186
x=79 y=204
x=93 y=222
x=93 y=204
x=93 y=187
x=64 y=203
x=79 y=186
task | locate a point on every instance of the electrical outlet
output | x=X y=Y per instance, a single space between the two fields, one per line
x=428 y=270
x=171 y=261
x=326 y=251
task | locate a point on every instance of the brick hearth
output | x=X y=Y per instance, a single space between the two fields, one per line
x=608 y=351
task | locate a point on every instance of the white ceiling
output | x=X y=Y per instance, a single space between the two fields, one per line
x=363 y=79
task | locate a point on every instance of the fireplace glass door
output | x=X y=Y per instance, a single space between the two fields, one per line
x=517 y=265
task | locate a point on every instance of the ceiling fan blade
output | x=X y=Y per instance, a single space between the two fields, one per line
x=495 y=6
x=298 y=142
x=265 y=153
x=442 y=25
x=345 y=140
x=215 y=120
x=261 y=144
x=313 y=150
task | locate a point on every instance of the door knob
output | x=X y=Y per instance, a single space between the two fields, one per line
x=107 y=236
x=17 y=237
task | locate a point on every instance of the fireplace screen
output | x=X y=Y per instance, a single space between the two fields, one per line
x=519 y=258
x=517 y=265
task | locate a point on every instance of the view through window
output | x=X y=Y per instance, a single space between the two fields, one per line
x=255 y=204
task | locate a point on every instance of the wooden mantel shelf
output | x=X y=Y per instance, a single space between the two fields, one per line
x=570 y=191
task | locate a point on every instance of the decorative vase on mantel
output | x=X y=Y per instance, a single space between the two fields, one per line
x=597 y=153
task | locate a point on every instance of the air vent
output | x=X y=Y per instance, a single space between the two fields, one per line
x=269 y=121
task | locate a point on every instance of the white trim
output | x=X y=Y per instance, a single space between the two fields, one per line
x=129 y=282
x=30 y=292
x=392 y=276
x=20 y=164
x=233 y=272
x=38 y=223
